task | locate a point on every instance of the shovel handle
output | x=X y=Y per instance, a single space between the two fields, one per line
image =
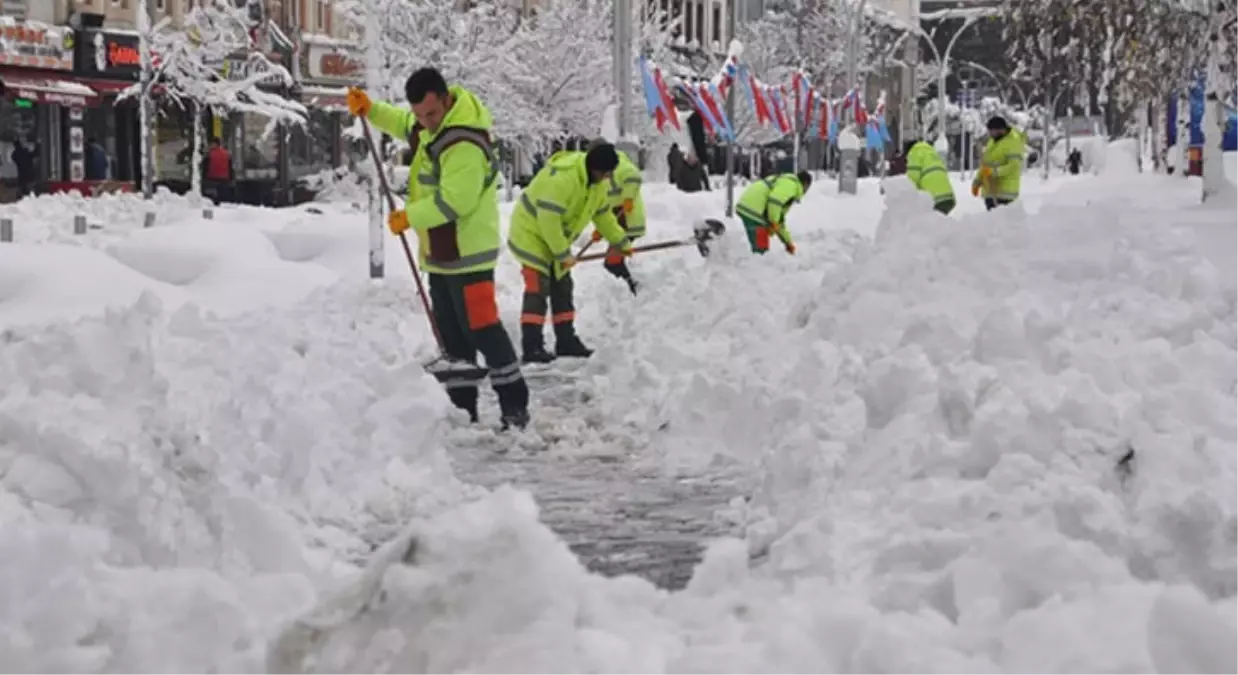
x=639 y=249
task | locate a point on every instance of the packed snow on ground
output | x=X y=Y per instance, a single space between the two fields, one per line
x=991 y=442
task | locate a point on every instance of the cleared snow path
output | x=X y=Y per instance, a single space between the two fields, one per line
x=617 y=517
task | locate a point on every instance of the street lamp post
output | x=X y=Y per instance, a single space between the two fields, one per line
x=849 y=151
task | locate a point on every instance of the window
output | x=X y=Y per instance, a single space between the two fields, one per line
x=717 y=25
x=700 y=22
x=687 y=21
x=161 y=6
x=320 y=21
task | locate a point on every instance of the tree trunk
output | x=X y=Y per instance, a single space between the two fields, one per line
x=1184 y=133
x=1215 y=184
x=195 y=169
x=144 y=102
x=376 y=206
x=1155 y=137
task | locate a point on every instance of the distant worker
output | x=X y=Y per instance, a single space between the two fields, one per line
x=764 y=205
x=927 y=171
x=1001 y=165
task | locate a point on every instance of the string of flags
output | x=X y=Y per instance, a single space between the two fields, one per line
x=801 y=107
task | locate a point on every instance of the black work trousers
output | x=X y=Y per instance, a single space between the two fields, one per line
x=467 y=313
x=990 y=203
x=542 y=292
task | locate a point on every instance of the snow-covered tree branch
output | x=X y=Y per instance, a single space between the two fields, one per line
x=190 y=71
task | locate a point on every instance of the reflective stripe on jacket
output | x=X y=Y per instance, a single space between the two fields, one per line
x=453 y=203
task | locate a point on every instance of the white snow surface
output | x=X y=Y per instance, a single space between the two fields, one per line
x=208 y=426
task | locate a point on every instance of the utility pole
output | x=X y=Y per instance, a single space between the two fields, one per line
x=622 y=61
x=144 y=99
x=730 y=114
x=373 y=84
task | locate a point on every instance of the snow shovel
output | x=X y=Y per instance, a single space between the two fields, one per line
x=702 y=233
x=444 y=369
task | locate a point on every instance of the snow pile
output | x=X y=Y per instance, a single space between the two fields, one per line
x=993 y=443
x=244 y=259
x=49 y=218
x=171 y=488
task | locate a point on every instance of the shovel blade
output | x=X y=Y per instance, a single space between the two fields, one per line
x=450 y=372
x=704 y=231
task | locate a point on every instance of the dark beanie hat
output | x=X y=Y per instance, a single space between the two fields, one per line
x=602 y=158
x=805 y=179
x=997 y=123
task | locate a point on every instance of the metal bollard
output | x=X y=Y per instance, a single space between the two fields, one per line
x=6 y=230
x=208 y=214
x=79 y=224
x=149 y=219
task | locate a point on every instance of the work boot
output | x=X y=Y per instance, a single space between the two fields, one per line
x=520 y=420
x=632 y=285
x=568 y=344
x=532 y=345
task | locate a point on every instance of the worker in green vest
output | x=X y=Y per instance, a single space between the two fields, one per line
x=927 y=171
x=453 y=208
x=1001 y=166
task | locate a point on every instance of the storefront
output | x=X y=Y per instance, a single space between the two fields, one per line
x=328 y=68
x=108 y=61
x=41 y=137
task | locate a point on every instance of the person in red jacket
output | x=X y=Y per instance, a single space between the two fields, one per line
x=219 y=171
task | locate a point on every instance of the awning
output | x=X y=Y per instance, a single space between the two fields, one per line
x=42 y=90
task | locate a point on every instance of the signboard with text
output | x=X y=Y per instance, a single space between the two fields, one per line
x=331 y=64
x=34 y=45
x=110 y=54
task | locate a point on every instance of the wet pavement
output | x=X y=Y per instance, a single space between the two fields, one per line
x=619 y=519
x=597 y=489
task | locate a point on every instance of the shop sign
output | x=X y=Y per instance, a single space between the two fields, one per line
x=28 y=44
x=334 y=64
x=109 y=54
x=236 y=69
x=41 y=95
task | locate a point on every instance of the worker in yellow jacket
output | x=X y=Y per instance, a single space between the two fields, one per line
x=927 y=171
x=764 y=205
x=453 y=208
x=571 y=191
x=1001 y=166
x=624 y=198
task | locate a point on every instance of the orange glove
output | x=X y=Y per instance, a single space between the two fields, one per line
x=628 y=205
x=791 y=249
x=774 y=227
x=975 y=189
x=397 y=222
x=567 y=263
x=986 y=172
x=597 y=236
x=358 y=102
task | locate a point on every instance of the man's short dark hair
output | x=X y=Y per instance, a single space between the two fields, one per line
x=422 y=82
x=805 y=179
x=602 y=158
x=908 y=146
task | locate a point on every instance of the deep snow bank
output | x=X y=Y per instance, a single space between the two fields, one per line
x=1001 y=442
x=170 y=487
x=244 y=259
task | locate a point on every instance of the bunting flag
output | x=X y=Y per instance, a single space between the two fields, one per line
x=823 y=129
x=771 y=104
x=653 y=99
x=668 y=103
